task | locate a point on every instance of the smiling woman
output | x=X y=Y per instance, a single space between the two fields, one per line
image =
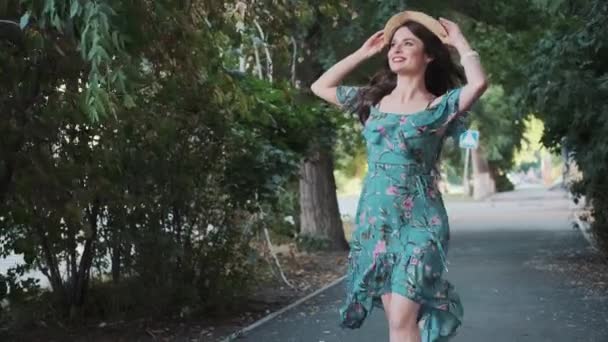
x=399 y=246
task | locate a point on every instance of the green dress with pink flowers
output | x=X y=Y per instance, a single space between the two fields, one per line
x=401 y=234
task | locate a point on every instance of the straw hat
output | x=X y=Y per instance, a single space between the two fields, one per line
x=422 y=18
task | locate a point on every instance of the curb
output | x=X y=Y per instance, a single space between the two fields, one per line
x=243 y=331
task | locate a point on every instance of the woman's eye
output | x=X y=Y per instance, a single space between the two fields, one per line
x=408 y=43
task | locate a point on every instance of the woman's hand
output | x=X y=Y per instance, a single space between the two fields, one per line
x=325 y=86
x=455 y=36
x=372 y=45
x=477 y=82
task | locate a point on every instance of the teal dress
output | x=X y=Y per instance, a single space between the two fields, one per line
x=401 y=234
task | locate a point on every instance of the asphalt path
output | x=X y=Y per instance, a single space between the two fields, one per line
x=496 y=258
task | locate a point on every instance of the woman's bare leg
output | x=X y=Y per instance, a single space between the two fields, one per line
x=403 y=325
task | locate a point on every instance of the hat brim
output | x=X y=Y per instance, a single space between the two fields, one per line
x=424 y=19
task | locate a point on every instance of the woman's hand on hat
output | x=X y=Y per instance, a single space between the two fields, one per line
x=372 y=45
x=455 y=36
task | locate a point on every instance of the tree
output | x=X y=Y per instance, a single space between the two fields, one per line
x=296 y=31
x=567 y=87
x=162 y=192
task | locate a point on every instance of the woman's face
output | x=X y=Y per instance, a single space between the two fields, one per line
x=406 y=53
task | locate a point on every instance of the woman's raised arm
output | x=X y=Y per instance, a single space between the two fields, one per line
x=477 y=82
x=325 y=86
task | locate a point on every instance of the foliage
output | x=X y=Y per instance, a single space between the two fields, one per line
x=160 y=200
x=82 y=31
x=568 y=87
x=529 y=154
x=502 y=133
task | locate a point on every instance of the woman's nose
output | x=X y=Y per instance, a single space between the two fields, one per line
x=397 y=47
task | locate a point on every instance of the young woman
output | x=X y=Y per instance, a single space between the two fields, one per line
x=399 y=246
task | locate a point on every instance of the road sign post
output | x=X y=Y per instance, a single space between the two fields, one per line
x=465 y=174
x=468 y=140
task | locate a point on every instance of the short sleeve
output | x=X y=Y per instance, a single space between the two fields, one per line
x=346 y=94
x=457 y=126
x=458 y=122
x=453 y=100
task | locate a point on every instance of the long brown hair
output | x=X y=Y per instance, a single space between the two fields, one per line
x=441 y=74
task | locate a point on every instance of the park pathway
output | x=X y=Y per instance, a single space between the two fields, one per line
x=501 y=257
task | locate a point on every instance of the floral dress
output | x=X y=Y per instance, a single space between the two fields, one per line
x=401 y=234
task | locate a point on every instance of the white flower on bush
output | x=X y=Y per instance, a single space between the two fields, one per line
x=289 y=219
x=210 y=228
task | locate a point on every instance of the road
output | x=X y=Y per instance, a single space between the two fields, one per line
x=497 y=253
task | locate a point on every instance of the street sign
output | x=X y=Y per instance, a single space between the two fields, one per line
x=469 y=139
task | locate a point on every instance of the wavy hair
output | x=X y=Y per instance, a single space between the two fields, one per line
x=441 y=74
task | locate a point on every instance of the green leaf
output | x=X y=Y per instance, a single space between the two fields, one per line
x=57 y=22
x=74 y=8
x=103 y=96
x=94 y=51
x=83 y=40
x=115 y=40
x=129 y=102
x=103 y=54
x=25 y=19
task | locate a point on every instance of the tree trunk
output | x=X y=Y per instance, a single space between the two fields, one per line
x=115 y=248
x=319 y=213
x=483 y=182
x=81 y=280
x=6 y=178
x=116 y=263
x=546 y=169
x=51 y=271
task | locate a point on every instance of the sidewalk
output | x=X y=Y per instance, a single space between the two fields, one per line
x=507 y=297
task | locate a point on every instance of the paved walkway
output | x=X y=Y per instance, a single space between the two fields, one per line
x=505 y=297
